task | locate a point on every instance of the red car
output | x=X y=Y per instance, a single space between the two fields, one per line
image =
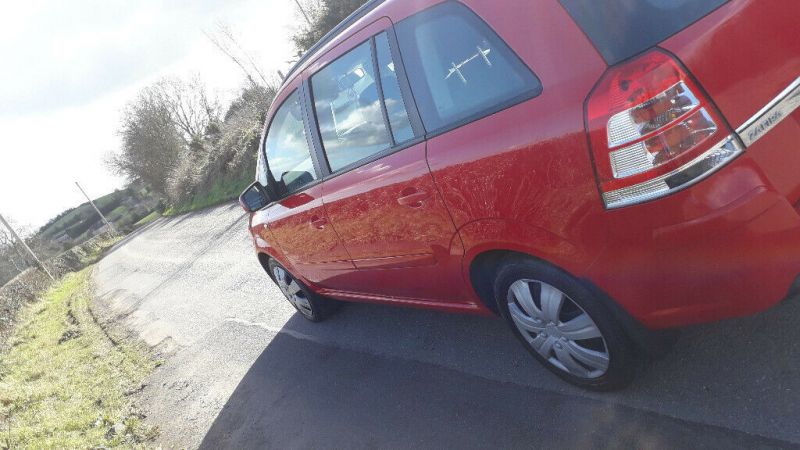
x=593 y=172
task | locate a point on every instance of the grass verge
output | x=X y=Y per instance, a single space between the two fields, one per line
x=64 y=383
x=147 y=219
x=222 y=191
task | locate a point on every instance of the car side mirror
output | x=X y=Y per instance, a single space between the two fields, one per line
x=254 y=197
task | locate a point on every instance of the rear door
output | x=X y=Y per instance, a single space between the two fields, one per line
x=380 y=196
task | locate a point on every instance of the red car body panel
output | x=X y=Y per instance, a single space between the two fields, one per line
x=303 y=232
x=744 y=54
x=729 y=246
x=401 y=249
x=523 y=180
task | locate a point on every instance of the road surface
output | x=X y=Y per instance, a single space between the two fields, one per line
x=243 y=370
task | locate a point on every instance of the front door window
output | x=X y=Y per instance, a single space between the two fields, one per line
x=289 y=162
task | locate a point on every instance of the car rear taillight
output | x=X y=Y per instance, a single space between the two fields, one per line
x=653 y=131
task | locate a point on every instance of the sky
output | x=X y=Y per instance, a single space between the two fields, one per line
x=69 y=68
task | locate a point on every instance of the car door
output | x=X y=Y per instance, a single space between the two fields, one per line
x=380 y=196
x=297 y=221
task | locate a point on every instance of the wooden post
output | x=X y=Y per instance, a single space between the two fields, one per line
x=108 y=224
x=33 y=255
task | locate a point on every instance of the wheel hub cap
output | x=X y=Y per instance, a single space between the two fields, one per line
x=558 y=329
x=292 y=291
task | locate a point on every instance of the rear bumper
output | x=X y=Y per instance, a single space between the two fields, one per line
x=727 y=247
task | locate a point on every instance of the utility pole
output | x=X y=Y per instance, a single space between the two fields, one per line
x=33 y=255
x=108 y=224
x=304 y=13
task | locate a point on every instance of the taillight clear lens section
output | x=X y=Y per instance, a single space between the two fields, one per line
x=663 y=147
x=647 y=118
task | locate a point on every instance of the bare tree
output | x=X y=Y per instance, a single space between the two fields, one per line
x=168 y=126
x=151 y=143
x=13 y=259
x=324 y=16
x=175 y=139
x=11 y=253
x=223 y=38
x=190 y=108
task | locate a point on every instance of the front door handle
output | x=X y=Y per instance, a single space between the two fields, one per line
x=413 y=198
x=318 y=222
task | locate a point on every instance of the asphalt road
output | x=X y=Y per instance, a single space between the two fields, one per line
x=243 y=370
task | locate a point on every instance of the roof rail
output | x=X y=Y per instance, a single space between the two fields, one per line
x=362 y=11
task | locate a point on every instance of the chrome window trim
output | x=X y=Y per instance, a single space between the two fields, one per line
x=771 y=115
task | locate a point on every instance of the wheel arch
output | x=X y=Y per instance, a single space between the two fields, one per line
x=264 y=259
x=492 y=243
x=484 y=268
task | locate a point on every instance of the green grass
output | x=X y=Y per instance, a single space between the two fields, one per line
x=147 y=219
x=222 y=191
x=82 y=213
x=63 y=382
x=118 y=213
x=93 y=253
x=62 y=224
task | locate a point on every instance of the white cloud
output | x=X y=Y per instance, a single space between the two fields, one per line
x=70 y=67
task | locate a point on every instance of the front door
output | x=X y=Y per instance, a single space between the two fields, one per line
x=298 y=221
x=302 y=230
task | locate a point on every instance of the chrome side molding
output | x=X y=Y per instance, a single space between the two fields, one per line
x=771 y=115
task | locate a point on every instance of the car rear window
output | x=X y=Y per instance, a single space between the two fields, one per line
x=623 y=28
x=459 y=68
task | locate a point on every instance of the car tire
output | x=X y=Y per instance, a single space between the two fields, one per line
x=564 y=326
x=309 y=304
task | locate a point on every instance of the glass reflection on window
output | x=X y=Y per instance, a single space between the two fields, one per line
x=288 y=153
x=348 y=108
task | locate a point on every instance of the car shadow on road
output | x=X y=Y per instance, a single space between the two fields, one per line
x=439 y=381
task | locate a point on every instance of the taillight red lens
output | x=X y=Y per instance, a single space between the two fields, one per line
x=647 y=118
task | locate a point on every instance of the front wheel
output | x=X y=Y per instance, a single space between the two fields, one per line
x=310 y=305
x=564 y=326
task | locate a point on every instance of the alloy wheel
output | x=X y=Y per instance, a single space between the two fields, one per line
x=558 y=329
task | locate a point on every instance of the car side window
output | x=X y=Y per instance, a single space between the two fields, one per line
x=459 y=68
x=286 y=148
x=350 y=109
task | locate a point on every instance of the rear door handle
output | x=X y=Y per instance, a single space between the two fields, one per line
x=413 y=198
x=318 y=222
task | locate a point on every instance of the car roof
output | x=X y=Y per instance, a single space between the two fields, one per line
x=335 y=36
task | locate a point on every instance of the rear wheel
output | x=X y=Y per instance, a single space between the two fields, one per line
x=564 y=326
x=311 y=306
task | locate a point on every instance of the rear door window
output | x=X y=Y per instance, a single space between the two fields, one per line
x=459 y=68
x=350 y=112
x=623 y=28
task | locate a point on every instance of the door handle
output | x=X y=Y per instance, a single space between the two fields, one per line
x=318 y=222
x=412 y=198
